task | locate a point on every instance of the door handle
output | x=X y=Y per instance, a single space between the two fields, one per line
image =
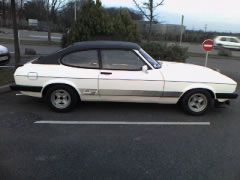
x=106 y=73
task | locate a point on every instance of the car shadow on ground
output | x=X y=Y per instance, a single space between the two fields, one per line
x=16 y=107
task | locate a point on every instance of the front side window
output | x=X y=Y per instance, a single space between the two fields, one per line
x=82 y=59
x=234 y=40
x=154 y=63
x=121 y=60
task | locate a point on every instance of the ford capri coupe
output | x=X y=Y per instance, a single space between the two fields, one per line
x=120 y=72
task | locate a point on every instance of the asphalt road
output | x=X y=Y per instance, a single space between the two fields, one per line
x=34 y=151
x=44 y=151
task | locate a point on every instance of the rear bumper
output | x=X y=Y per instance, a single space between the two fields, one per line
x=226 y=95
x=5 y=60
x=26 y=88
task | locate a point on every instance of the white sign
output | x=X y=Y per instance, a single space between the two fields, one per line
x=32 y=22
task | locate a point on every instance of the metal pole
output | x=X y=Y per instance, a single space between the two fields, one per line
x=181 y=33
x=206 y=61
x=19 y=39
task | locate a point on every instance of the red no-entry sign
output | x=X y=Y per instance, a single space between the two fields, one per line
x=207 y=45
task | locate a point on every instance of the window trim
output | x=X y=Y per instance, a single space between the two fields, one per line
x=97 y=50
x=131 y=50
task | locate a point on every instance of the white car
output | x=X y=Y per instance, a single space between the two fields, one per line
x=120 y=72
x=228 y=42
x=4 y=55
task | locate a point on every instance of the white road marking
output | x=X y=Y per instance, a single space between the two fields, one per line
x=124 y=123
x=207 y=45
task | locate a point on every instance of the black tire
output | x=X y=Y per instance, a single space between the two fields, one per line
x=72 y=98
x=190 y=106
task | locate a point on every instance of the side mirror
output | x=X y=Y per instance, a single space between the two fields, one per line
x=145 y=68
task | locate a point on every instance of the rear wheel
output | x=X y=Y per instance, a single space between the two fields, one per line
x=62 y=98
x=197 y=102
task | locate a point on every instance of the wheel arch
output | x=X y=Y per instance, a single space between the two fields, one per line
x=198 y=87
x=59 y=82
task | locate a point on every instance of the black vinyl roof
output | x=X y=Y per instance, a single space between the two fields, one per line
x=86 y=45
x=106 y=45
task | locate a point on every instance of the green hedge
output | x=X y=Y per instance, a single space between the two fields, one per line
x=165 y=52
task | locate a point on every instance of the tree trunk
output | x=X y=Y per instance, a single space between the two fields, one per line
x=49 y=32
x=150 y=31
x=15 y=32
x=49 y=36
x=4 y=12
x=151 y=20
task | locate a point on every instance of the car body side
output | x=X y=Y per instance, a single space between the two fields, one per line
x=173 y=80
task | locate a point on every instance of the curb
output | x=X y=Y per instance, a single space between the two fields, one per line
x=5 y=88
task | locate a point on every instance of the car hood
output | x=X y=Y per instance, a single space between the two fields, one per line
x=173 y=71
x=3 y=49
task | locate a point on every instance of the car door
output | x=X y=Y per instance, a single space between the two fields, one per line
x=122 y=78
x=81 y=68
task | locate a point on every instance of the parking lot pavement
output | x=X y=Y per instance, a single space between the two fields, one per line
x=116 y=151
x=120 y=140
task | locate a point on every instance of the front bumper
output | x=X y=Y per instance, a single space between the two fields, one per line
x=226 y=95
x=26 y=88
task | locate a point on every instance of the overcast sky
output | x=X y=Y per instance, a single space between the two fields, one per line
x=219 y=15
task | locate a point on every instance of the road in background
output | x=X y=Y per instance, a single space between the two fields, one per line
x=6 y=33
x=40 y=49
x=56 y=37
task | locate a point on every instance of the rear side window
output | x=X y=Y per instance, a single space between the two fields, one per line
x=82 y=59
x=223 y=39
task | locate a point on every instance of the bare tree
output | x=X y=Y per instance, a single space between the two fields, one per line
x=4 y=12
x=148 y=8
x=15 y=32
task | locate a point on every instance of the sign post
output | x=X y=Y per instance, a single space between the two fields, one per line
x=207 y=46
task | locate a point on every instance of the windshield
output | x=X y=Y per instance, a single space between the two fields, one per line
x=154 y=63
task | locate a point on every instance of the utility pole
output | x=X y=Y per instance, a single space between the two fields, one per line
x=205 y=28
x=182 y=30
x=15 y=32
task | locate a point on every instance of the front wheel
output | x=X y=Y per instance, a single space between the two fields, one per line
x=197 y=102
x=61 y=98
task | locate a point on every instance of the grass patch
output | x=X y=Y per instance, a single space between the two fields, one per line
x=6 y=76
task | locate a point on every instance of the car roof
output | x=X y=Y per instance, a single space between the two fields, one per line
x=105 y=45
x=87 y=45
x=227 y=37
